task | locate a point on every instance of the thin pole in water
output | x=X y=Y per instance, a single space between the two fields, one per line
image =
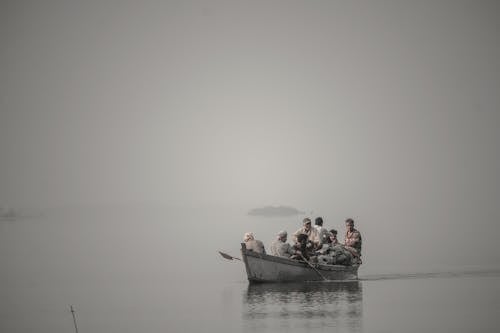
x=74 y=317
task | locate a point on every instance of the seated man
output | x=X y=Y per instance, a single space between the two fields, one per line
x=330 y=242
x=333 y=237
x=352 y=240
x=303 y=246
x=311 y=233
x=253 y=244
x=281 y=248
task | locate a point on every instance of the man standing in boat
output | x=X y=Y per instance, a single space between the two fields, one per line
x=352 y=241
x=312 y=233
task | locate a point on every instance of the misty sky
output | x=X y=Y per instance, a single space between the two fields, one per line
x=356 y=105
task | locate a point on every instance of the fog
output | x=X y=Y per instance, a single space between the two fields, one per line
x=386 y=112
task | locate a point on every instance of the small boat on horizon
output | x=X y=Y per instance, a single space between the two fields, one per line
x=8 y=214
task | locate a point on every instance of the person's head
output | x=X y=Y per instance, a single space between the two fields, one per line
x=349 y=224
x=333 y=234
x=307 y=223
x=302 y=238
x=318 y=221
x=248 y=236
x=282 y=235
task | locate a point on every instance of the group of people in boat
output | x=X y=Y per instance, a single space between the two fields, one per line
x=316 y=244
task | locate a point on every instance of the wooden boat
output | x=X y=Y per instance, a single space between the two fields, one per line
x=266 y=268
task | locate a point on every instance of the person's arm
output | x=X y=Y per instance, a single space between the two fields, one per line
x=353 y=240
x=294 y=250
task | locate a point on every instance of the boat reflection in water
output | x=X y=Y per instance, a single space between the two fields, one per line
x=299 y=307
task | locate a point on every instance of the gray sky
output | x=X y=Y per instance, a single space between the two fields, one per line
x=364 y=106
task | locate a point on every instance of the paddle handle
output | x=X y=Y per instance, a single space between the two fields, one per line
x=315 y=269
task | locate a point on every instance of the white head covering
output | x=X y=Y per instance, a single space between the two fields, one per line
x=282 y=234
x=248 y=236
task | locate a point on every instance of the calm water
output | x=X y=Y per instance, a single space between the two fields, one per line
x=139 y=271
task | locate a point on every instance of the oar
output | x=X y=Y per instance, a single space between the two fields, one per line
x=310 y=265
x=227 y=256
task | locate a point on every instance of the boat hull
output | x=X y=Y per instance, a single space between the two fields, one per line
x=266 y=268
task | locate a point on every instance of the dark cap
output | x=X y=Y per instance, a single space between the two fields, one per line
x=318 y=221
x=333 y=231
x=349 y=221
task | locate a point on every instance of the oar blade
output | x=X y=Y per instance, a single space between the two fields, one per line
x=227 y=256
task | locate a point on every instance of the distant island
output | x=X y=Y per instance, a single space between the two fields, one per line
x=8 y=214
x=275 y=211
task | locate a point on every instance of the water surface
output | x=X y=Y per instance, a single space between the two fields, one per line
x=159 y=271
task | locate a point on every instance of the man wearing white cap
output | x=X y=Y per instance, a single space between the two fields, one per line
x=312 y=233
x=281 y=248
x=253 y=244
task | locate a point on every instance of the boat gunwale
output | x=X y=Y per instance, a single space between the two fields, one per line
x=293 y=262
